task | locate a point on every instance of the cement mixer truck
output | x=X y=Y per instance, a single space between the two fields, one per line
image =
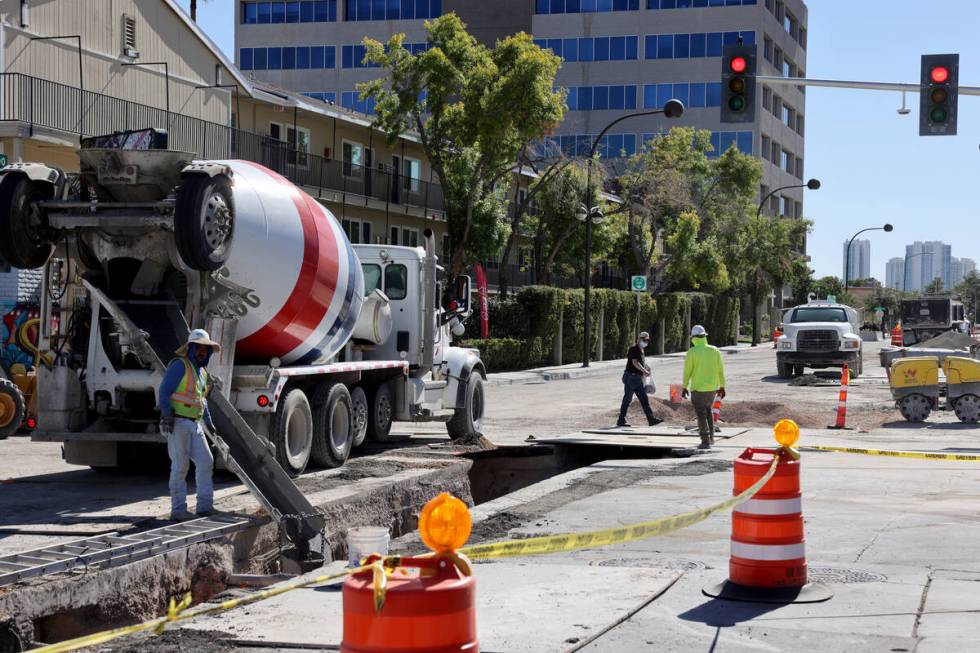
x=325 y=343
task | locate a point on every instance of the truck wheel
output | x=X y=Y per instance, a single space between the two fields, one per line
x=293 y=432
x=333 y=425
x=12 y=408
x=381 y=415
x=359 y=406
x=967 y=409
x=466 y=422
x=20 y=218
x=799 y=370
x=784 y=370
x=915 y=408
x=204 y=221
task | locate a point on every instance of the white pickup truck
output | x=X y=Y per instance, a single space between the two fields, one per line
x=819 y=335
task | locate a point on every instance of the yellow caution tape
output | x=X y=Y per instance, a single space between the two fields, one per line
x=925 y=455
x=177 y=612
x=595 y=539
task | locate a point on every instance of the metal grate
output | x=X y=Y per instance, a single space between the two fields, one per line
x=817 y=341
x=115 y=548
x=129 y=33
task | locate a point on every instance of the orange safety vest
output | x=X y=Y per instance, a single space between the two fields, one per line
x=188 y=400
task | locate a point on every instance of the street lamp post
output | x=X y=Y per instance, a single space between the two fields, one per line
x=847 y=255
x=813 y=184
x=905 y=269
x=588 y=214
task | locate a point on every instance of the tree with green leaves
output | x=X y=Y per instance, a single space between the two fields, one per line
x=475 y=109
x=935 y=287
x=682 y=210
x=969 y=291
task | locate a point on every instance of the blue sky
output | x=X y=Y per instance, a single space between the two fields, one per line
x=872 y=163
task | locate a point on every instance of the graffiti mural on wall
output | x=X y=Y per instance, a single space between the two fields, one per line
x=18 y=337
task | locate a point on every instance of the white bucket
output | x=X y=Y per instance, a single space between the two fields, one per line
x=365 y=540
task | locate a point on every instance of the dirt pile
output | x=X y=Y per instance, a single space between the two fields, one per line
x=949 y=340
x=751 y=414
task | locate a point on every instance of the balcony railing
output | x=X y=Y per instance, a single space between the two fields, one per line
x=41 y=103
x=604 y=277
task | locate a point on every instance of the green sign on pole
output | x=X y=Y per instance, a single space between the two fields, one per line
x=639 y=283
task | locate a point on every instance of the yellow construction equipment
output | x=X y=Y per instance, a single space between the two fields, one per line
x=963 y=387
x=915 y=386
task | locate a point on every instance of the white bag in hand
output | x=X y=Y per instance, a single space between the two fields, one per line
x=649 y=386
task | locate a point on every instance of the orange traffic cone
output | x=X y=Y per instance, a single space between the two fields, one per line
x=716 y=409
x=845 y=378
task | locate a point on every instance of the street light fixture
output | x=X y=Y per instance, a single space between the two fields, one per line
x=813 y=184
x=672 y=109
x=847 y=256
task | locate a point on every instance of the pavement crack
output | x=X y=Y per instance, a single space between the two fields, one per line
x=922 y=605
x=877 y=535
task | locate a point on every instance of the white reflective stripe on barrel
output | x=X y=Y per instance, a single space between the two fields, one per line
x=768 y=551
x=771 y=506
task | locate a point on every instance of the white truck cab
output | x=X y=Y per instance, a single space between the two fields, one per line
x=818 y=335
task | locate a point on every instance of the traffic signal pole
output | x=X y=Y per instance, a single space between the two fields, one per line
x=853 y=84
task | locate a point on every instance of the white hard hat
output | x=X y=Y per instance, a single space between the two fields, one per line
x=198 y=337
x=697 y=331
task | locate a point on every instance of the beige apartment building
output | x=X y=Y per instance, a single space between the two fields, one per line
x=79 y=68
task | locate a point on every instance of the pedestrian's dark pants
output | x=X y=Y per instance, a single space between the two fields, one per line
x=633 y=385
x=702 y=402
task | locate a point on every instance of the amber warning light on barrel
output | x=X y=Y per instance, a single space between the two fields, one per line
x=445 y=523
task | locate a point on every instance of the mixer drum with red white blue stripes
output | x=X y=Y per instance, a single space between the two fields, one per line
x=292 y=253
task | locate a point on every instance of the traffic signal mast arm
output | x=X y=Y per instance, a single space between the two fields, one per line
x=864 y=86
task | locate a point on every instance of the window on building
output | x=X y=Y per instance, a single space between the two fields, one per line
x=801 y=37
x=446 y=251
x=789 y=70
x=584 y=6
x=409 y=237
x=353 y=158
x=299 y=146
x=777 y=59
x=787 y=162
x=412 y=172
x=766 y=146
x=799 y=209
x=788 y=116
x=799 y=124
x=780 y=11
x=307 y=11
x=763 y=191
x=799 y=168
x=359 y=10
x=767 y=98
x=777 y=105
x=775 y=158
x=774 y=205
x=768 y=49
x=785 y=206
x=358 y=231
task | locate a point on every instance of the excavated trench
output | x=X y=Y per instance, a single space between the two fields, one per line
x=388 y=489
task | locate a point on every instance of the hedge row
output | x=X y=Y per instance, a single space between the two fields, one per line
x=523 y=328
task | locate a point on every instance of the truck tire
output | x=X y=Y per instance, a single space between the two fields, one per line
x=292 y=432
x=967 y=409
x=784 y=370
x=20 y=243
x=915 y=408
x=799 y=370
x=12 y=408
x=360 y=409
x=333 y=425
x=381 y=415
x=204 y=221
x=468 y=417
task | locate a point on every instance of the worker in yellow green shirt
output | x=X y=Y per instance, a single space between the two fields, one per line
x=704 y=377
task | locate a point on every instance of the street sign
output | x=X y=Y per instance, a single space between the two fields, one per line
x=638 y=283
x=3 y=160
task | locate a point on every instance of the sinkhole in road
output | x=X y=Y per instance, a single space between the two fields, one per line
x=498 y=472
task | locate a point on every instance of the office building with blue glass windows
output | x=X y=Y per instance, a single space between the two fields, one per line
x=619 y=56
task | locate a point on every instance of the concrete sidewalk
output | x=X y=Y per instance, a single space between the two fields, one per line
x=576 y=371
x=894 y=539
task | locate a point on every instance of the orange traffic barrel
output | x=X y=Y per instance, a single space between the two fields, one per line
x=775 y=338
x=898 y=340
x=767 y=530
x=429 y=607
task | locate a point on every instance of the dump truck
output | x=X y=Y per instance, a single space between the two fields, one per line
x=818 y=335
x=324 y=343
x=924 y=318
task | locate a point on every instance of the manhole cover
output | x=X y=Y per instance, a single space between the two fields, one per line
x=674 y=565
x=843 y=576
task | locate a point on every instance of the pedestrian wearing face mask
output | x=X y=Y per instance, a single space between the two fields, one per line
x=636 y=369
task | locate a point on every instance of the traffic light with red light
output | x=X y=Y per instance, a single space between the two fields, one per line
x=938 y=94
x=738 y=83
